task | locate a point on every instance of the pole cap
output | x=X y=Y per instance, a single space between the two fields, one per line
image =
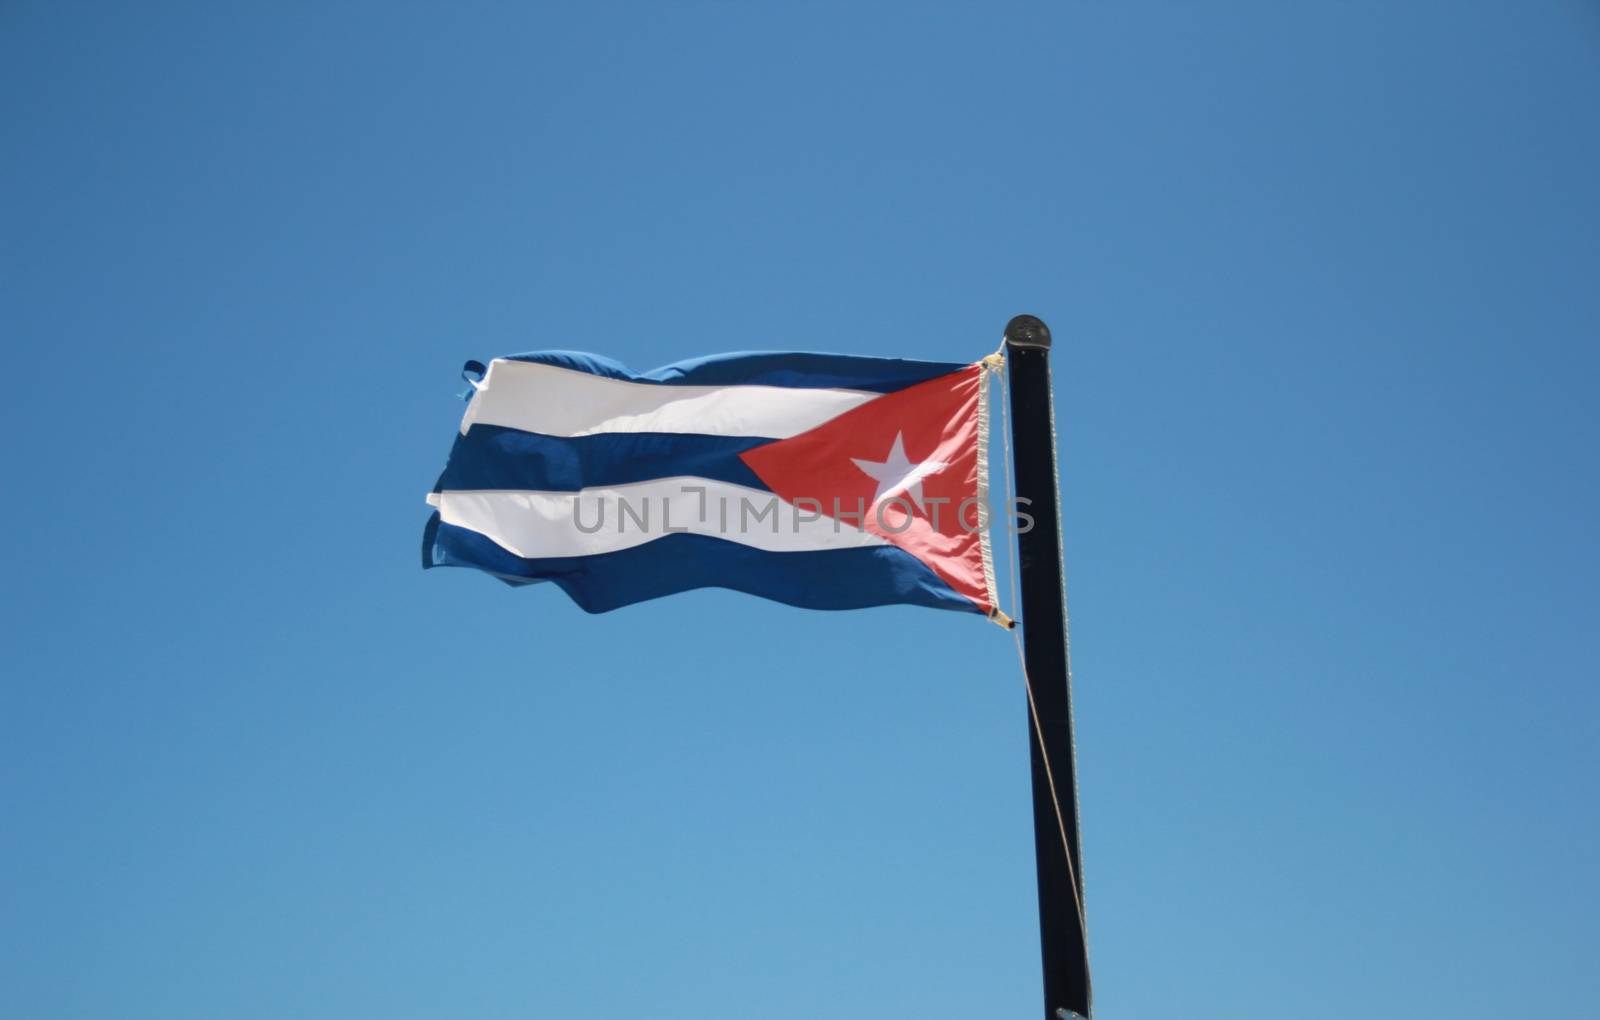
x=1028 y=331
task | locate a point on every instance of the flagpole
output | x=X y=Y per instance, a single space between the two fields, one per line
x=1062 y=930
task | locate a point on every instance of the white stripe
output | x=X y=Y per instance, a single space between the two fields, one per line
x=540 y=524
x=566 y=402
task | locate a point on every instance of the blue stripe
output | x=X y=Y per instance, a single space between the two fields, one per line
x=795 y=370
x=826 y=579
x=494 y=457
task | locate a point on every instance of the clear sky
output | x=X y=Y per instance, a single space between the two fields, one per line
x=1323 y=285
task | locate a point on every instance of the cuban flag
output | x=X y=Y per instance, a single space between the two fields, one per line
x=819 y=480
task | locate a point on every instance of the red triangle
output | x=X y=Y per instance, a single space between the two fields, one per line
x=936 y=423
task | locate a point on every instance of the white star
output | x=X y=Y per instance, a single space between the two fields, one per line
x=896 y=473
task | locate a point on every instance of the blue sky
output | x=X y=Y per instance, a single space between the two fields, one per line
x=1322 y=284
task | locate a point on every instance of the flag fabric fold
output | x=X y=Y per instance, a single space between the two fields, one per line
x=818 y=480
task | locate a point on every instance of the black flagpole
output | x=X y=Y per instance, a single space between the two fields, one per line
x=1044 y=642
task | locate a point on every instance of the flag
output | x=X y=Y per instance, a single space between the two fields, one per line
x=819 y=480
